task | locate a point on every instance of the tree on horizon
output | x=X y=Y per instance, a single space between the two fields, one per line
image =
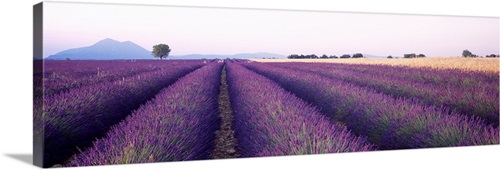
x=161 y=51
x=467 y=53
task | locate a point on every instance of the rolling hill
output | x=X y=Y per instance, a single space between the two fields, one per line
x=107 y=49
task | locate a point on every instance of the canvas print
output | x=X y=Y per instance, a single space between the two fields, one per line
x=126 y=84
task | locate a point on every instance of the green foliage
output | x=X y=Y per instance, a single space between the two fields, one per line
x=467 y=53
x=293 y=56
x=357 y=55
x=345 y=56
x=161 y=51
x=492 y=56
x=413 y=55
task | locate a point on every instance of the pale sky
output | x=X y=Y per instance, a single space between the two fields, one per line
x=229 y=31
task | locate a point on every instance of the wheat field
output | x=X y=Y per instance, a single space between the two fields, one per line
x=468 y=64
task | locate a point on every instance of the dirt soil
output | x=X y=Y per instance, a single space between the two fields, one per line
x=225 y=142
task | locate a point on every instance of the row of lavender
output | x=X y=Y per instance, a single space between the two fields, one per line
x=60 y=76
x=468 y=93
x=75 y=118
x=178 y=124
x=388 y=122
x=444 y=77
x=270 y=121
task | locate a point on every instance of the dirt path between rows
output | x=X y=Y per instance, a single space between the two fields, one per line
x=225 y=142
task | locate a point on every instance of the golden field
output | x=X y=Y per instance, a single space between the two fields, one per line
x=468 y=64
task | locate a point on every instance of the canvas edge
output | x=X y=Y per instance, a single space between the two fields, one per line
x=37 y=77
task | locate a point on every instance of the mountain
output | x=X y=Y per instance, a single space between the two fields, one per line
x=240 y=56
x=107 y=49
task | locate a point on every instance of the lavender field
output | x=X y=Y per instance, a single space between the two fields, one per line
x=141 y=111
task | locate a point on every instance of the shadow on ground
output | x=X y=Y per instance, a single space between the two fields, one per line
x=25 y=158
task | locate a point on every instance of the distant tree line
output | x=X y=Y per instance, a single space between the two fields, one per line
x=413 y=55
x=492 y=56
x=467 y=54
x=311 y=56
x=357 y=55
x=324 y=56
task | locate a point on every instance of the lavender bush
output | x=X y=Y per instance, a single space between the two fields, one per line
x=60 y=76
x=178 y=124
x=372 y=114
x=270 y=121
x=75 y=118
x=468 y=93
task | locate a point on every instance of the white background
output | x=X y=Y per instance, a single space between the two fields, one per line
x=16 y=88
